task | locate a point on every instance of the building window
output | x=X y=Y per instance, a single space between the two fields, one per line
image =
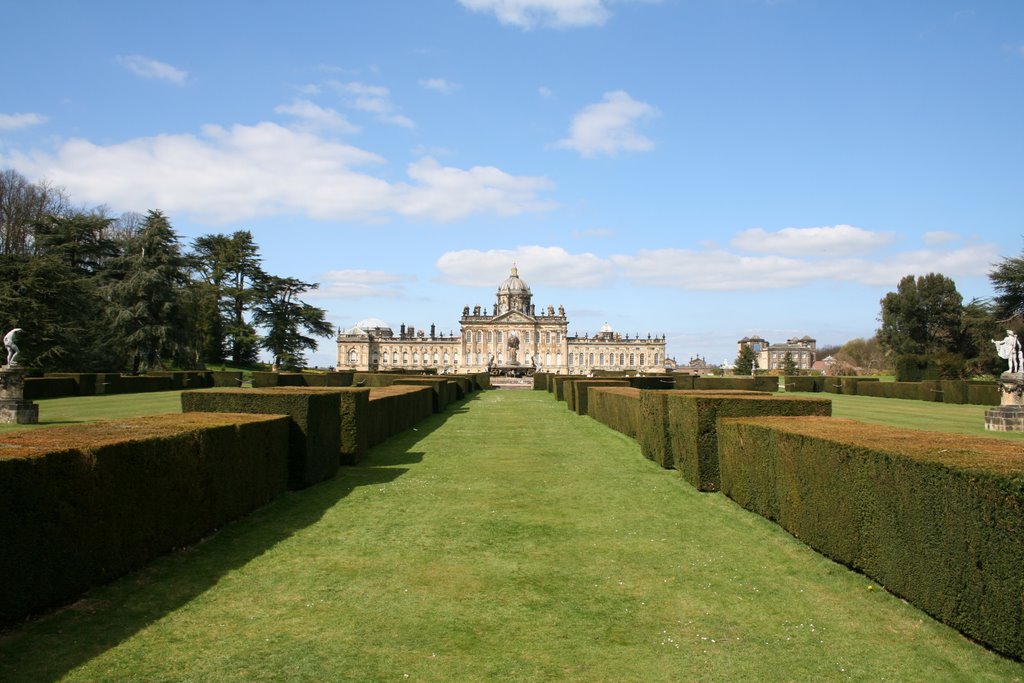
x=547 y=337
x=415 y=358
x=446 y=358
x=488 y=336
x=353 y=357
x=641 y=360
x=570 y=359
x=622 y=359
x=455 y=360
x=631 y=360
x=375 y=357
x=526 y=337
x=498 y=337
x=656 y=358
x=591 y=359
x=500 y=361
x=601 y=359
x=405 y=357
x=547 y=358
x=558 y=359
x=479 y=336
x=435 y=357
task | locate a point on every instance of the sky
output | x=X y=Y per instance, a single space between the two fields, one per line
x=702 y=169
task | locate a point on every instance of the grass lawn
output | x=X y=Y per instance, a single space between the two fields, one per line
x=62 y=411
x=508 y=540
x=937 y=417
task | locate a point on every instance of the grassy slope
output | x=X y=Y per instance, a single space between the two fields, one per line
x=513 y=540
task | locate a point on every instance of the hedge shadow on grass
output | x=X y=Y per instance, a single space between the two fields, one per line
x=107 y=615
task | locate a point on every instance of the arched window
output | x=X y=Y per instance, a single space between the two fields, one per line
x=547 y=337
x=498 y=340
x=622 y=359
x=435 y=357
x=405 y=357
x=526 y=337
x=641 y=360
x=656 y=358
x=479 y=336
x=415 y=358
x=384 y=358
x=499 y=358
x=558 y=359
x=455 y=360
x=591 y=359
x=353 y=357
x=601 y=359
x=376 y=358
x=446 y=358
x=547 y=359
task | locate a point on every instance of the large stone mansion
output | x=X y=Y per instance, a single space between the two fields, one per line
x=513 y=339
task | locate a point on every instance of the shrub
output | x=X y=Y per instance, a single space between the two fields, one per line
x=540 y=381
x=936 y=518
x=394 y=409
x=580 y=391
x=692 y=427
x=315 y=428
x=615 y=407
x=83 y=504
x=983 y=394
x=954 y=391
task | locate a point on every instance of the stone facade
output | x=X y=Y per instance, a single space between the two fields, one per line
x=512 y=339
x=773 y=356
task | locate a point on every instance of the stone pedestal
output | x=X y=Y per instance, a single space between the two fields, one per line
x=1009 y=416
x=14 y=409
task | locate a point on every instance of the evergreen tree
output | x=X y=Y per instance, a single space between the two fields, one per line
x=745 y=361
x=145 y=296
x=285 y=317
x=923 y=316
x=789 y=365
x=1008 y=280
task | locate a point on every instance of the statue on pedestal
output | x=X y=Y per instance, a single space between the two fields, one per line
x=12 y=348
x=1008 y=348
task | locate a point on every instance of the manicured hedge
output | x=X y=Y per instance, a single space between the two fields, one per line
x=936 y=518
x=664 y=381
x=394 y=409
x=49 y=387
x=83 y=504
x=931 y=390
x=445 y=391
x=184 y=379
x=137 y=384
x=540 y=381
x=983 y=394
x=803 y=383
x=580 y=391
x=558 y=384
x=315 y=427
x=615 y=407
x=765 y=383
x=692 y=427
x=226 y=378
x=262 y=380
x=684 y=381
x=954 y=391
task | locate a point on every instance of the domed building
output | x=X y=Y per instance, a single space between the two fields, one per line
x=512 y=339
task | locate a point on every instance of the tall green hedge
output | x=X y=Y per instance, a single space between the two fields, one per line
x=692 y=427
x=806 y=383
x=983 y=394
x=662 y=381
x=615 y=407
x=540 y=381
x=314 y=436
x=761 y=383
x=558 y=384
x=938 y=519
x=49 y=387
x=580 y=391
x=83 y=504
x=394 y=409
x=445 y=390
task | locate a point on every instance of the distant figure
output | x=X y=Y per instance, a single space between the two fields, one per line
x=1008 y=348
x=12 y=348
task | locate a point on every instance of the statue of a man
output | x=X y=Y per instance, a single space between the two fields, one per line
x=1008 y=348
x=12 y=348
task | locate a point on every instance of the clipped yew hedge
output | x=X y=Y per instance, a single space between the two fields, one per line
x=540 y=381
x=49 y=387
x=938 y=519
x=315 y=425
x=654 y=382
x=576 y=396
x=692 y=427
x=445 y=391
x=764 y=383
x=558 y=384
x=84 y=504
x=394 y=409
x=615 y=407
x=803 y=383
x=226 y=378
x=983 y=394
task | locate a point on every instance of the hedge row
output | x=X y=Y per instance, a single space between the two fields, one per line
x=394 y=409
x=616 y=407
x=946 y=391
x=59 y=384
x=936 y=518
x=314 y=442
x=576 y=392
x=86 y=503
x=804 y=383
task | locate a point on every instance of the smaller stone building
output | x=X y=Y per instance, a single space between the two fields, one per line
x=773 y=356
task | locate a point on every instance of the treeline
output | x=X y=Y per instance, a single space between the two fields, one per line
x=95 y=292
x=928 y=332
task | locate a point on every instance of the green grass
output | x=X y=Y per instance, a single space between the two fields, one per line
x=58 y=411
x=936 y=417
x=508 y=540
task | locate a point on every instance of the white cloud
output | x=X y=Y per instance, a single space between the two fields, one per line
x=549 y=266
x=609 y=127
x=354 y=283
x=447 y=193
x=593 y=232
x=23 y=120
x=725 y=271
x=374 y=99
x=440 y=85
x=243 y=172
x=545 y=92
x=153 y=69
x=940 y=237
x=837 y=240
x=316 y=117
x=550 y=13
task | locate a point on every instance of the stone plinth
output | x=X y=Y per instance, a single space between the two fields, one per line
x=1009 y=416
x=14 y=409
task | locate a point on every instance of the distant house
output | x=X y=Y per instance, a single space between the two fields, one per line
x=773 y=356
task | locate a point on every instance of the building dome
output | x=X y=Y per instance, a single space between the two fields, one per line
x=513 y=284
x=606 y=328
x=373 y=324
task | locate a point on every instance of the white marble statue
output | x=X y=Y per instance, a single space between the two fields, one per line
x=1008 y=348
x=12 y=348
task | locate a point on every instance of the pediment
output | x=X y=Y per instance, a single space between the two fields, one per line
x=513 y=317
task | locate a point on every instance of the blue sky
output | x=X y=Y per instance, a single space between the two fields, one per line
x=703 y=169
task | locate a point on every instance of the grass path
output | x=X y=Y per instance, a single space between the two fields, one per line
x=507 y=540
